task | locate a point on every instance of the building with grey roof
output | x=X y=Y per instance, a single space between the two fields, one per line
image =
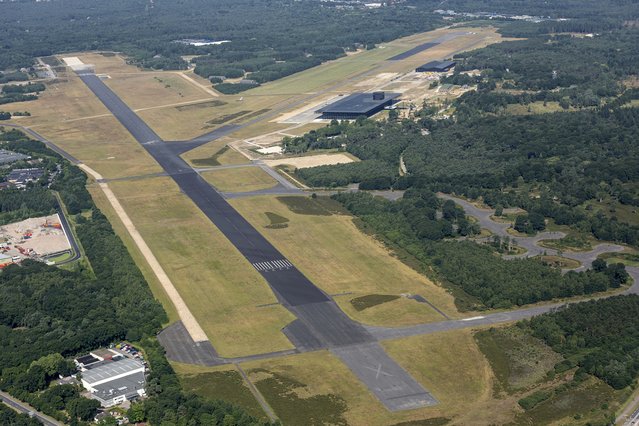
x=436 y=66
x=358 y=104
x=7 y=157
x=113 y=382
x=117 y=391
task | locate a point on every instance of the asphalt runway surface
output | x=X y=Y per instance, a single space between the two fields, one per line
x=320 y=322
x=415 y=50
x=425 y=46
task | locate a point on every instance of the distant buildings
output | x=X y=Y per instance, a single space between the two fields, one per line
x=112 y=378
x=436 y=66
x=358 y=104
x=20 y=177
x=7 y=157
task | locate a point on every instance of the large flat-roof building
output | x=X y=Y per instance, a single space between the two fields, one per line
x=113 y=382
x=358 y=104
x=436 y=66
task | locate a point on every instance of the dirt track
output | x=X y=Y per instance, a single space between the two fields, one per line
x=189 y=321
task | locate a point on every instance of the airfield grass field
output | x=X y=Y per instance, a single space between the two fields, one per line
x=242 y=179
x=317 y=388
x=322 y=240
x=144 y=90
x=104 y=145
x=65 y=98
x=222 y=290
x=215 y=153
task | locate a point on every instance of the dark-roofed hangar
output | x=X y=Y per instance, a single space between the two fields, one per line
x=436 y=66
x=358 y=104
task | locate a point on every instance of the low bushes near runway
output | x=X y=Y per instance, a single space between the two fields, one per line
x=218 y=384
x=578 y=362
x=294 y=405
x=370 y=300
x=277 y=221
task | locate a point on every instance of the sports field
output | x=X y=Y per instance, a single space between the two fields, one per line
x=223 y=291
x=323 y=241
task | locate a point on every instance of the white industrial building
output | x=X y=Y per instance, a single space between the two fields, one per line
x=113 y=382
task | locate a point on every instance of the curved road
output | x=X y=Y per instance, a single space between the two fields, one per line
x=531 y=244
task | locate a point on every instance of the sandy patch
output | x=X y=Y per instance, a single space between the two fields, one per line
x=311 y=160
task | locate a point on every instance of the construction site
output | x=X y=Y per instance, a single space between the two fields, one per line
x=41 y=238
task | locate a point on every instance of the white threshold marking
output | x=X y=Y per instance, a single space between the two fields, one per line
x=273 y=265
x=472 y=318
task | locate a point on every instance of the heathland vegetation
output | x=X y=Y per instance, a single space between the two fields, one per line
x=576 y=364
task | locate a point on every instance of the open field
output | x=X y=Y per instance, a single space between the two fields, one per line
x=104 y=145
x=316 y=388
x=243 y=179
x=65 y=98
x=105 y=63
x=185 y=122
x=324 y=243
x=453 y=369
x=215 y=153
x=220 y=287
x=150 y=89
x=223 y=382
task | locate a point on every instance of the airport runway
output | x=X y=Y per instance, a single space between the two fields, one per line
x=320 y=322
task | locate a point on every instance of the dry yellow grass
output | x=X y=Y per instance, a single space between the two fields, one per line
x=242 y=179
x=105 y=63
x=334 y=254
x=220 y=287
x=66 y=98
x=453 y=369
x=182 y=122
x=202 y=155
x=104 y=145
x=152 y=89
x=449 y=365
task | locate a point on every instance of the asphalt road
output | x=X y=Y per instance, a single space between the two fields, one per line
x=319 y=319
x=27 y=409
x=531 y=244
x=67 y=229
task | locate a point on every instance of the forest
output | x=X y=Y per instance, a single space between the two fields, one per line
x=48 y=314
x=599 y=337
x=411 y=226
x=268 y=39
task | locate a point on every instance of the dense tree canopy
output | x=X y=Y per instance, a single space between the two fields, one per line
x=598 y=336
